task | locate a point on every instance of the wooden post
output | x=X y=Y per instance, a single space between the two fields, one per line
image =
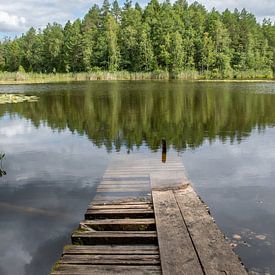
x=164 y=150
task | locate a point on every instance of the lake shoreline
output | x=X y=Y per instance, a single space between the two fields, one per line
x=18 y=78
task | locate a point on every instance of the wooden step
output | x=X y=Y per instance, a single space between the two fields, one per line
x=107 y=199
x=111 y=259
x=147 y=206
x=69 y=269
x=118 y=213
x=114 y=237
x=111 y=249
x=119 y=224
x=120 y=203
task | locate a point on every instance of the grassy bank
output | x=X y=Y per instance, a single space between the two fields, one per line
x=33 y=78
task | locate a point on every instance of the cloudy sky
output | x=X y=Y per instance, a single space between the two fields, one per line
x=17 y=16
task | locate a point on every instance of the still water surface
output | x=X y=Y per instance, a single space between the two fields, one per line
x=57 y=149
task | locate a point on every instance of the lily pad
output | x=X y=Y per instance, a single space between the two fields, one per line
x=260 y=237
x=15 y=98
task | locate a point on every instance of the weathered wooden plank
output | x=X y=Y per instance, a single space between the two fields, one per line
x=121 y=206
x=122 y=193
x=123 y=202
x=111 y=259
x=111 y=198
x=102 y=198
x=119 y=224
x=215 y=254
x=143 y=164
x=124 y=184
x=105 y=199
x=68 y=269
x=168 y=179
x=112 y=249
x=125 y=178
x=117 y=189
x=177 y=253
x=118 y=213
x=147 y=170
x=114 y=237
x=136 y=174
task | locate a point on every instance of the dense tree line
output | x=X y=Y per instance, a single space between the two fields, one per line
x=160 y=37
x=116 y=114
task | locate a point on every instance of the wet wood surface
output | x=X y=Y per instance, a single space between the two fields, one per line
x=147 y=219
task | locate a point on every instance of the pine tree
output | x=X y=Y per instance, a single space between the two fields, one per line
x=2 y=57
x=53 y=43
x=145 y=60
x=72 y=47
x=177 y=54
x=90 y=28
x=112 y=28
x=116 y=11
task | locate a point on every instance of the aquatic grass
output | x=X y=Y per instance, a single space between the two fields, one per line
x=36 y=78
x=13 y=98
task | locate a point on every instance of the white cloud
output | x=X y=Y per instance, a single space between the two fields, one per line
x=18 y=15
x=261 y=9
x=10 y=23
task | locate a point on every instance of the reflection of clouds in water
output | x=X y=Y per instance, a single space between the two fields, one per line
x=25 y=234
x=51 y=179
x=251 y=162
x=10 y=129
x=43 y=153
x=41 y=264
x=13 y=258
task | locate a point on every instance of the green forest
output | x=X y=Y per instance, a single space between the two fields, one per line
x=178 y=38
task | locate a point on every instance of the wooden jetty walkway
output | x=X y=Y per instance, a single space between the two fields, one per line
x=147 y=219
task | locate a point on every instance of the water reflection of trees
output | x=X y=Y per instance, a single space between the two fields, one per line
x=116 y=114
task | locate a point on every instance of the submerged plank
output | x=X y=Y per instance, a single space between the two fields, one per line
x=124 y=180
x=215 y=254
x=127 y=189
x=177 y=253
x=125 y=185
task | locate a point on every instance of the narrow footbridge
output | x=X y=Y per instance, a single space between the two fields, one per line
x=147 y=219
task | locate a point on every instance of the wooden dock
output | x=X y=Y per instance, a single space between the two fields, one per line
x=147 y=219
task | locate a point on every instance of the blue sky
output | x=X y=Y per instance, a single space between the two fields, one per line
x=17 y=16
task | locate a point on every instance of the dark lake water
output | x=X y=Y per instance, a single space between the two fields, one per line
x=56 y=151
